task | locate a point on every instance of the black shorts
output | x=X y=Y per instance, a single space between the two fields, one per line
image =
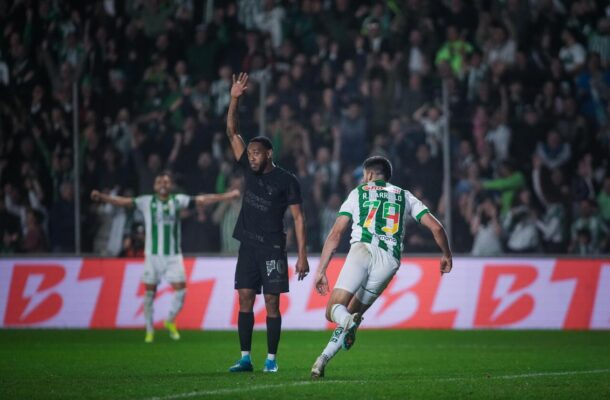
x=261 y=266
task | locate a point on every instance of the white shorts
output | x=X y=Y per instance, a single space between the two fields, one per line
x=170 y=267
x=367 y=271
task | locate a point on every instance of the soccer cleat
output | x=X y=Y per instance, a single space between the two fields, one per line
x=270 y=366
x=317 y=371
x=242 y=365
x=350 y=335
x=173 y=330
x=149 y=338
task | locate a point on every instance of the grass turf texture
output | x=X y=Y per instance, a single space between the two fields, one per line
x=60 y=364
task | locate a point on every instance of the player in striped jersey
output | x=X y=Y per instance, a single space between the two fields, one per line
x=377 y=210
x=162 y=254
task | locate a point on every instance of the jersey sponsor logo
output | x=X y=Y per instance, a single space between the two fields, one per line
x=387 y=239
x=367 y=187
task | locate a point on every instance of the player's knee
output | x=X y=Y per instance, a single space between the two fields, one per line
x=246 y=302
x=272 y=305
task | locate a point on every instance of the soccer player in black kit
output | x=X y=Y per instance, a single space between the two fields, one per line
x=262 y=260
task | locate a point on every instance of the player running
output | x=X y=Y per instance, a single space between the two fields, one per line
x=262 y=260
x=163 y=254
x=377 y=209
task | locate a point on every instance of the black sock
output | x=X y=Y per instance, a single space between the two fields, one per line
x=274 y=328
x=245 y=324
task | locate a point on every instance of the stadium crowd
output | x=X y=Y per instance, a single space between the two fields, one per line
x=529 y=101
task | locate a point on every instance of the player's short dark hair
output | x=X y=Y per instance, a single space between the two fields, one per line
x=380 y=165
x=264 y=141
x=164 y=173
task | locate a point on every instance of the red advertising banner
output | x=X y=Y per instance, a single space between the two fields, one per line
x=498 y=293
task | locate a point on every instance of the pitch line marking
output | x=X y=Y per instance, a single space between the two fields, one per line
x=237 y=390
x=534 y=374
x=305 y=383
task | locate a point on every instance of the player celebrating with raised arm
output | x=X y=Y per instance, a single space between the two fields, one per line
x=163 y=255
x=262 y=260
x=377 y=210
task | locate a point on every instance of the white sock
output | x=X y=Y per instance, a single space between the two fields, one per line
x=245 y=353
x=335 y=343
x=270 y=356
x=149 y=298
x=339 y=314
x=177 y=303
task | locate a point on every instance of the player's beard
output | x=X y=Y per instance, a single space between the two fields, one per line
x=261 y=167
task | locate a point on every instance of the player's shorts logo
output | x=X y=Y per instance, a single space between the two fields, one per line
x=277 y=265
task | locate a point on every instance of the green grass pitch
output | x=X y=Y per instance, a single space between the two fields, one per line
x=79 y=364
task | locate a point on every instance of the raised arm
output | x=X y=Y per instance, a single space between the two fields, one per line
x=237 y=142
x=207 y=199
x=302 y=267
x=440 y=237
x=118 y=201
x=329 y=249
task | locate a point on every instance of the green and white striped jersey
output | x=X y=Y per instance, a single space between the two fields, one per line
x=378 y=210
x=162 y=223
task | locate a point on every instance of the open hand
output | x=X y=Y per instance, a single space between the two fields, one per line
x=239 y=85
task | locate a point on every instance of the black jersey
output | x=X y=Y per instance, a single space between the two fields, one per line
x=266 y=197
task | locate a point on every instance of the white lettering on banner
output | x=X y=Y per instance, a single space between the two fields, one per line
x=459 y=291
x=397 y=303
x=601 y=308
x=131 y=305
x=48 y=293
x=221 y=272
x=550 y=299
x=299 y=313
x=499 y=293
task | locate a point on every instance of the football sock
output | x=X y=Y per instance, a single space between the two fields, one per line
x=339 y=314
x=149 y=298
x=245 y=324
x=274 y=329
x=177 y=303
x=245 y=353
x=335 y=343
x=271 y=356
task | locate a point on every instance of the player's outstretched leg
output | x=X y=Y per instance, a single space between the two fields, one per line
x=177 y=304
x=149 y=298
x=331 y=349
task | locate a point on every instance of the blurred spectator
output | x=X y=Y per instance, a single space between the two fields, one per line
x=603 y=201
x=62 y=220
x=550 y=194
x=353 y=130
x=225 y=216
x=454 y=51
x=572 y=53
x=342 y=79
x=507 y=184
x=519 y=225
x=500 y=47
x=486 y=229
x=9 y=229
x=554 y=152
x=587 y=230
